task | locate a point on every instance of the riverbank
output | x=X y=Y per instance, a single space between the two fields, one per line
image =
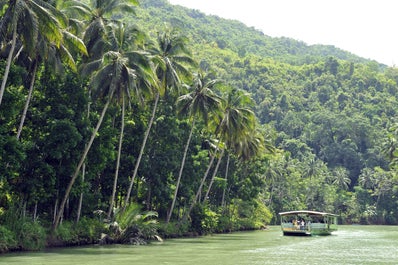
x=33 y=236
x=351 y=244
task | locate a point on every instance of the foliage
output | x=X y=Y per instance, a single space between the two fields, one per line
x=173 y=229
x=7 y=239
x=31 y=235
x=21 y=232
x=132 y=226
x=87 y=231
x=203 y=220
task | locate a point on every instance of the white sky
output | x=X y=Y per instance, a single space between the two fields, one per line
x=368 y=28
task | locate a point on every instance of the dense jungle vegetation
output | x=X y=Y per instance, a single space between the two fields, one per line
x=134 y=119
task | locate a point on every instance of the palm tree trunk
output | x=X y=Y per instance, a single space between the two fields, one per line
x=180 y=173
x=29 y=98
x=213 y=176
x=35 y=213
x=77 y=170
x=185 y=217
x=225 y=178
x=8 y=63
x=119 y=152
x=79 y=207
x=141 y=152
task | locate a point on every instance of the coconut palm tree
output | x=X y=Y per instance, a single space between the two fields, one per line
x=200 y=102
x=55 y=57
x=123 y=39
x=237 y=123
x=367 y=178
x=341 y=178
x=99 y=37
x=171 y=58
x=250 y=145
x=97 y=17
x=235 y=120
x=24 y=21
x=114 y=73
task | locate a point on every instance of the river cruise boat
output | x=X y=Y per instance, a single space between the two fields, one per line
x=307 y=223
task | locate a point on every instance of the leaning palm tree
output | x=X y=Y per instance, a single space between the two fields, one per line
x=97 y=15
x=235 y=120
x=22 y=22
x=171 y=58
x=248 y=146
x=114 y=72
x=200 y=102
x=122 y=39
x=237 y=124
x=55 y=57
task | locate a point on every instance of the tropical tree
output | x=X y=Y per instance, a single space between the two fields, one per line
x=200 y=102
x=367 y=178
x=251 y=145
x=340 y=178
x=123 y=39
x=171 y=58
x=113 y=76
x=24 y=21
x=234 y=120
x=97 y=15
x=112 y=64
x=237 y=123
x=55 y=57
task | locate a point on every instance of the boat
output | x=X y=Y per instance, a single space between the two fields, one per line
x=307 y=223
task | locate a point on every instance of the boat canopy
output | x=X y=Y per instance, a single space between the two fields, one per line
x=307 y=213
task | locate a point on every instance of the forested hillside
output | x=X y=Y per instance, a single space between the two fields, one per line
x=114 y=113
x=327 y=109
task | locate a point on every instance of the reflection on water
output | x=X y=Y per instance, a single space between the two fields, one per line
x=349 y=245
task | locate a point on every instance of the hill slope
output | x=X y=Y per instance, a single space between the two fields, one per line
x=236 y=36
x=320 y=100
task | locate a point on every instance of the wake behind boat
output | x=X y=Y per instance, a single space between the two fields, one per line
x=306 y=223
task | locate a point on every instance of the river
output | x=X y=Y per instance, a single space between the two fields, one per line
x=349 y=245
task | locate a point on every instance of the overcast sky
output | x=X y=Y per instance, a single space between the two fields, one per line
x=368 y=28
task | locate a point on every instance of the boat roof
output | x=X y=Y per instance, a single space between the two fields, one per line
x=306 y=212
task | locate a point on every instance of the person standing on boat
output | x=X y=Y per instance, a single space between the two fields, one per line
x=302 y=224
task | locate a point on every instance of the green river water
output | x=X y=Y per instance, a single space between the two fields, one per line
x=349 y=245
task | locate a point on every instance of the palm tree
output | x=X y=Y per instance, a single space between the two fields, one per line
x=367 y=178
x=340 y=178
x=114 y=73
x=98 y=39
x=122 y=37
x=97 y=17
x=55 y=57
x=25 y=21
x=249 y=146
x=235 y=120
x=238 y=120
x=170 y=57
x=200 y=102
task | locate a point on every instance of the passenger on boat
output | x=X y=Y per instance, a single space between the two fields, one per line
x=302 y=225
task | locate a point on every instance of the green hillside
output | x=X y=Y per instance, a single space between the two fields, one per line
x=321 y=104
x=234 y=35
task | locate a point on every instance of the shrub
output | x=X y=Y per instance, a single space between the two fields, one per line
x=89 y=230
x=132 y=226
x=204 y=220
x=173 y=229
x=7 y=240
x=31 y=235
x=65 y=233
